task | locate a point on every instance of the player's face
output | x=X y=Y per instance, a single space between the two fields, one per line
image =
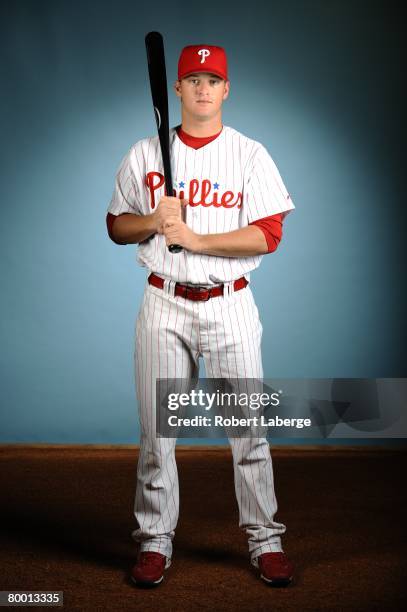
x=202 y=95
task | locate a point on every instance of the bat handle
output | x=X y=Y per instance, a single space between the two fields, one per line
x=173 y=248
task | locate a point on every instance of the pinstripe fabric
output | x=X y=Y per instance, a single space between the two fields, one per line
x=171 y=334
x=229 y=183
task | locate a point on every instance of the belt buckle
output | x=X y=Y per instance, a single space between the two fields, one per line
x=201 y=290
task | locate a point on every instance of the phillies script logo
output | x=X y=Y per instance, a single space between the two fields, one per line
x=198 y=194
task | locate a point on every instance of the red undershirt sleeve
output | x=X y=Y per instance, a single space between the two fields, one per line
x=110 y=219
x=272 y=228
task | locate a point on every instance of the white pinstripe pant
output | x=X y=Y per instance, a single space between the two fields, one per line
x=171 y=334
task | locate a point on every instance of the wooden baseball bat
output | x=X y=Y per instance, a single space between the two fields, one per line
x=158 y=84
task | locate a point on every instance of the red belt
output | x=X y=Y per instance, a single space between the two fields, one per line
x=199 y=294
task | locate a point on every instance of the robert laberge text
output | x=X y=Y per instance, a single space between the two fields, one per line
x=220 y=421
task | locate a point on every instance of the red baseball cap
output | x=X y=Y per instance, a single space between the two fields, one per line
x=203 y=58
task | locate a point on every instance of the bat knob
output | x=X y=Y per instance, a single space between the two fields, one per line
x=174 y=248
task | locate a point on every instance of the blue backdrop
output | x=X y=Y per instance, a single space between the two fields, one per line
x=318 y=83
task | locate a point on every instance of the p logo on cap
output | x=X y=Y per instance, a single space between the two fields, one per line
x=203 y=58
x=203 y=53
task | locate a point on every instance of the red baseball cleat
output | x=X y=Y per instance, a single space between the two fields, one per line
x=274 y=568
x=149 y=570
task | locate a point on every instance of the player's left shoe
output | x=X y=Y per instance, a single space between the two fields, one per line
x=275 y=568
x=149 y=570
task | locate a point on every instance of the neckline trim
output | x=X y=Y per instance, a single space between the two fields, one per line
x=209 y=144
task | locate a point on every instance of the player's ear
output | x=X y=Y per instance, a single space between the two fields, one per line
x=177 y=88
x=227 y=89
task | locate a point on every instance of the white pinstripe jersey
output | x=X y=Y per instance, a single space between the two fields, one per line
x=228 y=183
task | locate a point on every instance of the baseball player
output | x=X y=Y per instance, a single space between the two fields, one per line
x=226 y=212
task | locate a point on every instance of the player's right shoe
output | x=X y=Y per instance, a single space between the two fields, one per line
x=149 y=570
